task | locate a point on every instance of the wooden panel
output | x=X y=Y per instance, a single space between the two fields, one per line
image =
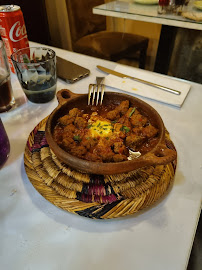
x=58 y=24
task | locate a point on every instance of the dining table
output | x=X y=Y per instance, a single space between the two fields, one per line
x=36 y=234
x=147 y=11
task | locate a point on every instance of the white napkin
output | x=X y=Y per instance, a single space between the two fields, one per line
x=147 y=91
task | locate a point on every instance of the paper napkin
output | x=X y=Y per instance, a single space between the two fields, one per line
x=140 y=89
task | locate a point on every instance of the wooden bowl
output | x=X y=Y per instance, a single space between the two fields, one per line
x=159 y=154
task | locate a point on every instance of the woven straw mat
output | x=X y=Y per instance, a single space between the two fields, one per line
x=93 y=196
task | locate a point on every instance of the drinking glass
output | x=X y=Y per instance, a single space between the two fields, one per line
x=6 y=94
x=36 y=71
x=4 y=145
x=178 y=6
x=163 y=6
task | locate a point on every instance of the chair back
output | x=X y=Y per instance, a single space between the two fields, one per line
x=81 y=19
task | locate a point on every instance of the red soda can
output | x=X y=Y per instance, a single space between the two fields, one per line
x=12 y=30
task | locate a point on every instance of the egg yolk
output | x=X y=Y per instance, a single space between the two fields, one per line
x=101 y=129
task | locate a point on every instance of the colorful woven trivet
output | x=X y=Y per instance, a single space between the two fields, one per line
x=93 y=196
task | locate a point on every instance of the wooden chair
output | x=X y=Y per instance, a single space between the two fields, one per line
x=89 y=35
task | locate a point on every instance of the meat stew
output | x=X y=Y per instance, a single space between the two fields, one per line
x=105 y=133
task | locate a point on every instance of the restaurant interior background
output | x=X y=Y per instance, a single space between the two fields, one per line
x=47 y=23
x=51 y=27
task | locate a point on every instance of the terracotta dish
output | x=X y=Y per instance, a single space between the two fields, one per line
x=159 y=154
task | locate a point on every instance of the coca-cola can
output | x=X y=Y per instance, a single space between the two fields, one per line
x=12 y=30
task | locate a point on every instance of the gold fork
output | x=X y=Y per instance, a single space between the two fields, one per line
x=99 y=86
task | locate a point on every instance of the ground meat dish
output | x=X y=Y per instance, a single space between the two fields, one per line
x=105 y=134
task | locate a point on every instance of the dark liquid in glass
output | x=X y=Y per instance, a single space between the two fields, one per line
x=179 y=2
x=163 y=2
x=5 y=94
x=40 y=92
x=4 y=145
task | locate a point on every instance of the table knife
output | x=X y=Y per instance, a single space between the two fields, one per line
x=110 y=71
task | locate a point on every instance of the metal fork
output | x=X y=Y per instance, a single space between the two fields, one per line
x=99 y=86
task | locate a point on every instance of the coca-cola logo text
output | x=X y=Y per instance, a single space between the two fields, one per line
x=17 y=32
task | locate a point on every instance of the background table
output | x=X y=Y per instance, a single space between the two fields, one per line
x=37 y=235
x=148 y=13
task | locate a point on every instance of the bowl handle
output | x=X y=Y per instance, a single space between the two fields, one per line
x=65 y=94
x=162 y=155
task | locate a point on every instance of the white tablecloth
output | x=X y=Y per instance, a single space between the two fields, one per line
x=35 y=234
